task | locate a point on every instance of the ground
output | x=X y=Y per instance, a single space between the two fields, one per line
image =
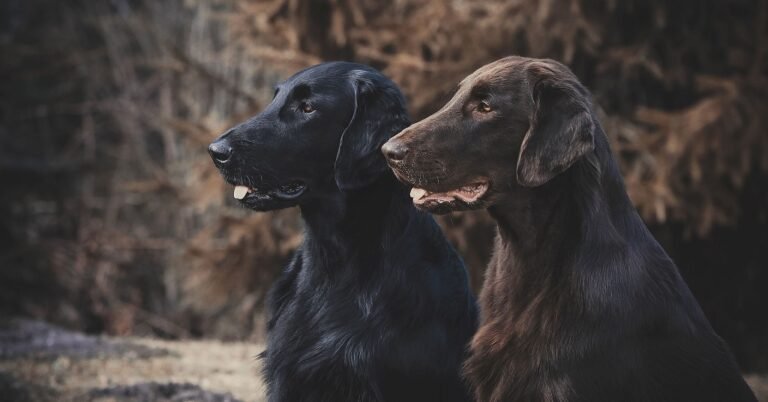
x=43 y=363
x=39 y=362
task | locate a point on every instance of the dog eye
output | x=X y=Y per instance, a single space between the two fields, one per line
x=484 y=107
x=306 y=107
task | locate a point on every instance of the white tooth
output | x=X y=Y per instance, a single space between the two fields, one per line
x=240 y=192
x=417 y=193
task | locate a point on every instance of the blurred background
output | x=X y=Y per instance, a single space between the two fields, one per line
x=114 y=220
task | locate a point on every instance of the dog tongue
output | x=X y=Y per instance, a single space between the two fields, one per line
x=417 y=193
x=240 y=192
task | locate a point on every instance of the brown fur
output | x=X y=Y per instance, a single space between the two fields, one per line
x=580 y=302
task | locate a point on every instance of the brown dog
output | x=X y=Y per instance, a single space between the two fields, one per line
x=580 y=302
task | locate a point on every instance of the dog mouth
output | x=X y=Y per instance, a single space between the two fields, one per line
x=290 y=191
x=467 y=194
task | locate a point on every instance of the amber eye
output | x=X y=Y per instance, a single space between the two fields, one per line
x=306 y=107
x=484 y=107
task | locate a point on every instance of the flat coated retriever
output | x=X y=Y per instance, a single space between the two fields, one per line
x=375 y=304
x=580 y=303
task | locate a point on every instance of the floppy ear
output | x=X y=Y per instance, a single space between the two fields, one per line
x=379 y=113
x=560 y=133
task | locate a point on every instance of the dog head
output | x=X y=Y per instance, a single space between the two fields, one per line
x=514 y=123
x=321 y=133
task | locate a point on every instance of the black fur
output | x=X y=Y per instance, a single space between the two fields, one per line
x=580 y=303
x=375 y=304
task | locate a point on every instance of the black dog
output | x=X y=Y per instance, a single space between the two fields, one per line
x=580 y=302
x=375 y=304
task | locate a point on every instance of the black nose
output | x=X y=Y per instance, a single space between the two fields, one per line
x=394 y=150
x=220 y=151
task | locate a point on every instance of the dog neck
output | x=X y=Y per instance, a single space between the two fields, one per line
x=578 y=228
x=563 y=213
x=356 y=224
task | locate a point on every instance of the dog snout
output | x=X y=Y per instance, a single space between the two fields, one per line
x=221 y=151
x=394 y=151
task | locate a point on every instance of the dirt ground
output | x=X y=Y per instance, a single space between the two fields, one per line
x=43 y=363
x=39 y=362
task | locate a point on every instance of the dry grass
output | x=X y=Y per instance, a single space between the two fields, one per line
x=214 y=366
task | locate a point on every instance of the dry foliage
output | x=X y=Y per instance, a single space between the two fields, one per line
x=116 y=103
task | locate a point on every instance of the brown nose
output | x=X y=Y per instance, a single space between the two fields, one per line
x=394 y=151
